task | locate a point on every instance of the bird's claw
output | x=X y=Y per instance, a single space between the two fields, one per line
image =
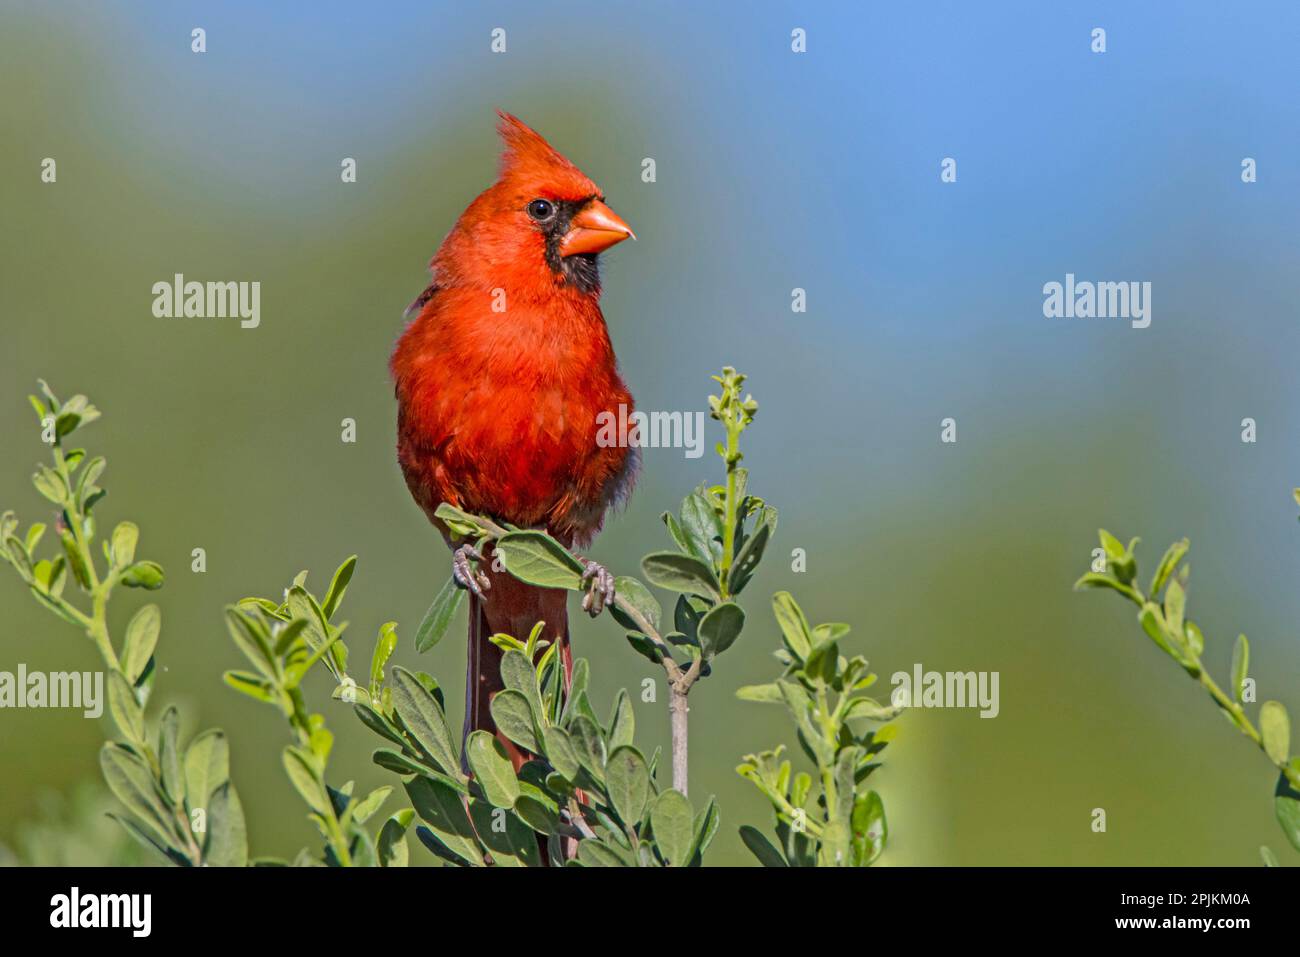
x=466 y=575
x=600 y=591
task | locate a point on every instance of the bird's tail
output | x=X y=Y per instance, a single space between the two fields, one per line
x=513 y=608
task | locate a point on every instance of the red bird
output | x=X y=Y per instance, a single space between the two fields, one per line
x=500 y=379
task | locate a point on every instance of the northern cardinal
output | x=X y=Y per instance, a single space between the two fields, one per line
x=500 y=378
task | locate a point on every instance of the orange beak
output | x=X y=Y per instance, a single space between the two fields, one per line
x=593 y=230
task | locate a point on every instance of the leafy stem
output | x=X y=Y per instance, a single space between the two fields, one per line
x=735 y=414
x=284 y=641
x=1165 y=621
x=720 y=535
x=179 y=801
x=843 y=826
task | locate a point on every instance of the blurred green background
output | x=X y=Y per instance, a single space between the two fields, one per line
x=775 y=171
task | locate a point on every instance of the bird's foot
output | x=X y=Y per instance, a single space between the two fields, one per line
x=600 y=590
x=466 y=575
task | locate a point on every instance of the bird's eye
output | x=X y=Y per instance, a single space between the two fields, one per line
x=540 y=209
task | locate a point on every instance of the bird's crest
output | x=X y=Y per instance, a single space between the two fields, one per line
x=526 y=156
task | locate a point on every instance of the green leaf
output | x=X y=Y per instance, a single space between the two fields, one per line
x=536 y=558
x=253 y=638
x=124 y=540
x=440 y=850
x=1173 y=556
x=630 y=590
x=1095 y=580
x=746 y=563
x=1175 y=607
x=794 y=626
x=1275 y=729
x=703 y=528
x=462 y=524
x=252 y=685
x=287 y=639
x=207 y=767
x=141 y=639
x=589 y=745
x=301 y=605
x=34 y=536
x=169 y=854
x=43 y=574
x=338 y=585
x=800 y=705
x=622 y=722
x=439 y=805
x=296 y=671
x=301 y=768
x=126 y=711
x=514 y=718
x=378 y=723
x=1120 y=559
x=492 y=769
x=227 y=832
x=86 y=487
x=66 y=423
x=678 y=535
x=1286 y=805
x=768 y=693
x=687 y=613
x=870 y=830
x=643 y=646
x=364 y=809
x=706 y=826
x=830 y=631
x=509 y=840
x=49 y=396
x=761 y=847
x=673 y=822
x=50 y=485
x=384 y=646
x=76 y=559
x=846 y=762
x=871 y=709
x=1240 y=666
x=392 y=849
x=1153 y=623
x=169 y=758
x=627 y=780
x=439 y=616
x=682 y=573
x=147 y=575
x=424 y=720
x=17 y=554
x=720 y=628
x=593 y=853
x=1113 y=546
x=402 y=765
x=561 y=752
x=131 y=781
x=518 y=674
